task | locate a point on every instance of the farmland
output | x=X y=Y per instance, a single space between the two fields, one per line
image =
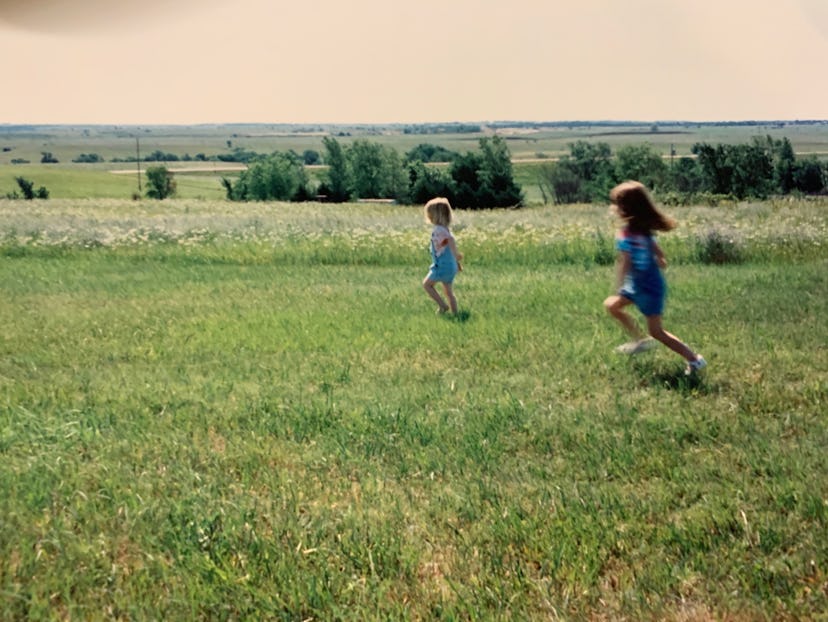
x=250 y=411
x=528 y=146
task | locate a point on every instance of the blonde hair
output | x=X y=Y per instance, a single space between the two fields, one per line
x=438 y=211
x=637 y=208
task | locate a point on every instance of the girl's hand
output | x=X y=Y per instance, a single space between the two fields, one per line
x=662 y=261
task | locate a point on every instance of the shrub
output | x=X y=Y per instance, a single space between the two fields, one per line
x=160 y=183
x=27 y=188
x=714 y=247
x=88 y=158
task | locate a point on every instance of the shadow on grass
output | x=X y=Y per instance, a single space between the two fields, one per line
x=461 y=316
x=672 y=379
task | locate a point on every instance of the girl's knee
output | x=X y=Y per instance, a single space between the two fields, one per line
x=613 y=304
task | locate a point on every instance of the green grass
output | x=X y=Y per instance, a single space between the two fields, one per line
x=85 y=181
x=258 y=415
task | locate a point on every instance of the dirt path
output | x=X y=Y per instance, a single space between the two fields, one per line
x=191 y=169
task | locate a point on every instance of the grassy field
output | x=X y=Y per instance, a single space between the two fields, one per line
x=69 y=180
x=214 y=411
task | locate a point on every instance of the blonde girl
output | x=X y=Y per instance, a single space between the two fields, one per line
x=445 y=258
x=639 y=278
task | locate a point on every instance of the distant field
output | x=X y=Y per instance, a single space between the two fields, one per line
x=68 y=180
x=250 y=411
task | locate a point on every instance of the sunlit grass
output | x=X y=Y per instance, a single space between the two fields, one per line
x=780 y=230
x=254 y=413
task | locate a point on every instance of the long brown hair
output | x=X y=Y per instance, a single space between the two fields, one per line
x=637 y=208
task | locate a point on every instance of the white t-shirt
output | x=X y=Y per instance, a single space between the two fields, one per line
x=440 y=237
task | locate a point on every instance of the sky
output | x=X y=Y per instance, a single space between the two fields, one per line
x=148 y=62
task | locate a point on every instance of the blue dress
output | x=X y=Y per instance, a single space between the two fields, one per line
x=644 y=283
x=443 y=267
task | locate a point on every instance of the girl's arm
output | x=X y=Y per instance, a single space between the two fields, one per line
x=659 y=255
x=452 y=244
x=623 y=265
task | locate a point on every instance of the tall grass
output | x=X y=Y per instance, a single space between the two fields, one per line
x=255 y=414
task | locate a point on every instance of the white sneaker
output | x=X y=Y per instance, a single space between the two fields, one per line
x=636 y=347
x=694 y=366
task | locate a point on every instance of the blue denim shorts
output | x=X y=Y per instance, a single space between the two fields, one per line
x=649 y=302
x=444 y=269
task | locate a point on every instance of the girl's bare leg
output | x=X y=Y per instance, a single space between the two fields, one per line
x=428 y=286
x=615 y=307
x=451 y=298
x=671 y=341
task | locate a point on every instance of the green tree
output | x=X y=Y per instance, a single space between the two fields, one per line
x=686 y=176
x=592 y=163
x=752 y=167
x=367 y=166
x=396 y=178
x=809 y=175
x=426 y=152
x=716 y=169
x=463 y=171
x=784 y=164
x=278 y=177
x=376 y=171
x=427 y=182
x=311 y=157
x=497 y=184
x=337 y=184
x=27 y=188
x=641 y=163
x=88 y=158
x=561 y=183
x=160 y=182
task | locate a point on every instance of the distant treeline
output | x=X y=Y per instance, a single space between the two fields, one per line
x=758 y=169
x=654 y=125
x=369 y=170
x=484 y=178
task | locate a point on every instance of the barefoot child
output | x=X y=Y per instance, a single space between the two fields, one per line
x=640 y=282
x=445 y=259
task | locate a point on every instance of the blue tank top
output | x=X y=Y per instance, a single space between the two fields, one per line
x=644 y=275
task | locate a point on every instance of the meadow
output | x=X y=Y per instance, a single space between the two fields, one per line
x=251 y=411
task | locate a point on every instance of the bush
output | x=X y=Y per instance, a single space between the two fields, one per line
x=88 y=158
x=160 y=183
x=27 y=188
x=716 y=248
x=426 y=152
x=561 y=182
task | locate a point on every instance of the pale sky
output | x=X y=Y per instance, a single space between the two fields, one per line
x=389 y=61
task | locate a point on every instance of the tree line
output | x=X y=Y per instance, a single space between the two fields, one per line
x=370 y=170
x=759 y=169
x=485 y=179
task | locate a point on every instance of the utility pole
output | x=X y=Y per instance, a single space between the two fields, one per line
x=138 y=160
